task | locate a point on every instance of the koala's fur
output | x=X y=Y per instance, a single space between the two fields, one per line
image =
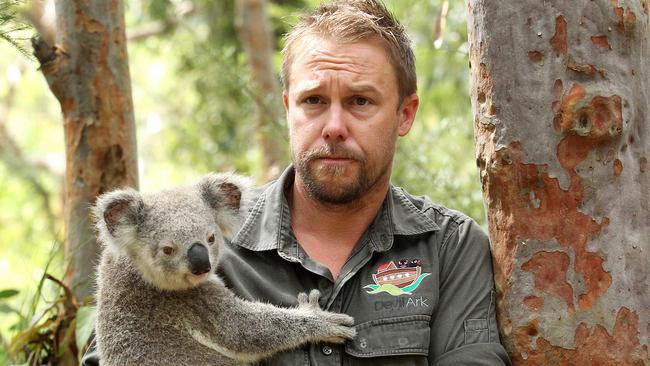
x=153 y=310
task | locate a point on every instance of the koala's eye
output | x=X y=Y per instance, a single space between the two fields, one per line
x=168 y=250
x=211 y=239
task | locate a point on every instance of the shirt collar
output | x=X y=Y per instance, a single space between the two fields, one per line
x=268 y=225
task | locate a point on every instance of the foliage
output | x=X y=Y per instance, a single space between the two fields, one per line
x=436 y=157
x=216 y=134
x=48 y=326
x=10 y=24
x=214 y=131
x=193 y=97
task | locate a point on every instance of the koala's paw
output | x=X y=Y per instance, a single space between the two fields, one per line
x=336 y=327
x=337 y=334
x=309 y=302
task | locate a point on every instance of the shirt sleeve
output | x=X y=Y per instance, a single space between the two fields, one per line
x=464 y=329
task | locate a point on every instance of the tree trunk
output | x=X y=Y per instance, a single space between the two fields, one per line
x=560 y=96
x=256 y=37
x=87 y=71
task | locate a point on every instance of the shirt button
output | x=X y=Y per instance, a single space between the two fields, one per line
x=327 y=350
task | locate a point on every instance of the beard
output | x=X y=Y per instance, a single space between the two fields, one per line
x=327 y=183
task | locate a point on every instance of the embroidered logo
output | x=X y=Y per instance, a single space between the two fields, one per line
x=400 y=279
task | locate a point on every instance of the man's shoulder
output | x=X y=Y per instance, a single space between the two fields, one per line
x=446 y=218
x=251 y=198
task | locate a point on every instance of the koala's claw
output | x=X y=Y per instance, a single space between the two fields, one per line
x=314 y=296
x=337 y=326
x=309 y=301
x=341 y=319
x=340 y=335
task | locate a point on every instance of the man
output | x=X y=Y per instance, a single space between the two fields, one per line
x=416 y=277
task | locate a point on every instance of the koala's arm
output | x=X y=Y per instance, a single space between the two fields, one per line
x=248 y=331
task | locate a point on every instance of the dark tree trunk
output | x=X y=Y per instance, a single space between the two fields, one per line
x=560 y=98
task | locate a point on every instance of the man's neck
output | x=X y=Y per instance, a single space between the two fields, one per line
x=328 y=232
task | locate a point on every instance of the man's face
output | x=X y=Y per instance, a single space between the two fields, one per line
x=344 y=118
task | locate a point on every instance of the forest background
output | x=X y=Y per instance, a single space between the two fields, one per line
x=196 y=102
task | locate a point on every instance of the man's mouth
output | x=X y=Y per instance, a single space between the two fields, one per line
x=334 y=158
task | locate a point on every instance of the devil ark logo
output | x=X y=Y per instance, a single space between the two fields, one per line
x=400 y=279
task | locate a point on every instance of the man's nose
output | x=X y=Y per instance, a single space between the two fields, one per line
x=335 y=128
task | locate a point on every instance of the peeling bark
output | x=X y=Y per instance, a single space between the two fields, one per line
x=87 y=71
x=562 y=146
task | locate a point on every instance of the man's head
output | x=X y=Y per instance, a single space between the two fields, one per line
x=349 y=92
x=351 y=21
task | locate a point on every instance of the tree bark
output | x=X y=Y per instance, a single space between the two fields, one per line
x=87 y=71
x=256 y=37
x=560 y=97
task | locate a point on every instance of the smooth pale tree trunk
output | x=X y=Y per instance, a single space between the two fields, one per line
x=560 y=96
x=87 y=71
x=256 y=36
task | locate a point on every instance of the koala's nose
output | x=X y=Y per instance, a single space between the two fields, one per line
x=199 y=259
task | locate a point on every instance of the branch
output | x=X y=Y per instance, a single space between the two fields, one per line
x=42 y=17
x=440 y=25
x=182 y=11
x=44 y=52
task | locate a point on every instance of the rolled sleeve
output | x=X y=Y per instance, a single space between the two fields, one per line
x=464 y=329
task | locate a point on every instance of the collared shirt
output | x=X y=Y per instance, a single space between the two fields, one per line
x=418 y=283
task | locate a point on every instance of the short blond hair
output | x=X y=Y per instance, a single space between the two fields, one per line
x=351 y=21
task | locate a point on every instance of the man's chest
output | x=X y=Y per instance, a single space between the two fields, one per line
x=391 y=295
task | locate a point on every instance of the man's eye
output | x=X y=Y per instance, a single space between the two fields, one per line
x=312 y=100
x=360 y=101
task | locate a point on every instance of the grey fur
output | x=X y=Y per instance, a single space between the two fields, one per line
x=152 y=311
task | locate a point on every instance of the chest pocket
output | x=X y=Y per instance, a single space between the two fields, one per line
x=391 y=341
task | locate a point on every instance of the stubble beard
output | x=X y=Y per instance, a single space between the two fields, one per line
x=321 y=183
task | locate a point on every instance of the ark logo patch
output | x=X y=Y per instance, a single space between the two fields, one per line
x=400 y=279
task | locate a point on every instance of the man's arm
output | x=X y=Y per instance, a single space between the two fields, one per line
x=464 y=330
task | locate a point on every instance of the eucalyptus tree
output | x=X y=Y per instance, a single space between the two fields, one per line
x=560 y=97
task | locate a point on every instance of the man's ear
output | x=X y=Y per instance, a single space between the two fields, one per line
x=285 y=100
x=223 y=193
x=406 y=113
x=117 y=213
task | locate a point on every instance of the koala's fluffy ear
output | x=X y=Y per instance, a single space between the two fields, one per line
x=117 y=215
x=224 y=193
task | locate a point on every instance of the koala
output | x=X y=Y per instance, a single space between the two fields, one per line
x=159 y=301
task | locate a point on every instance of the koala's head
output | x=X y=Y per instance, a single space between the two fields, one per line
x=173 y=237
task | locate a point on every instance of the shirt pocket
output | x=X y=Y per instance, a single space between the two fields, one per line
x=476 y=331
x=297 y=357
x=391 y=341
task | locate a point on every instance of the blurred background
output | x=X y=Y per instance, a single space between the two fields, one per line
x=197 y=106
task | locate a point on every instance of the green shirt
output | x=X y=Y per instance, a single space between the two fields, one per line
x=418 y=283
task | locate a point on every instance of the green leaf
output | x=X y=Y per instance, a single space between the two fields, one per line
x=8 y=293
x=4 y=308
x=86 y=316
